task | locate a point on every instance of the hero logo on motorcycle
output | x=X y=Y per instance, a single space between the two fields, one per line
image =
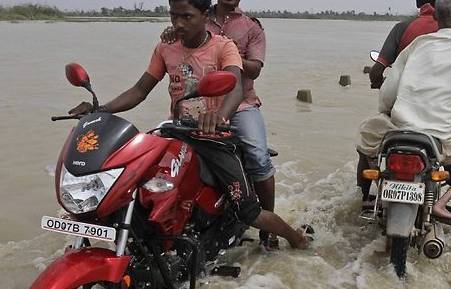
x=87 y=142
x=177 y=163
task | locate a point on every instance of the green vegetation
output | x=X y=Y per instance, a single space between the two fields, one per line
x=329 y=14
x=30 y=12
x=138 y=14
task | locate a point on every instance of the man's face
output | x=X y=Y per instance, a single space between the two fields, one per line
x=229 y=3
x=187 y=20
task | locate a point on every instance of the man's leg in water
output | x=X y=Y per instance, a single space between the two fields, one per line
x=440 y=208
x=225 y=164
x=257 y=162
x=363 y=183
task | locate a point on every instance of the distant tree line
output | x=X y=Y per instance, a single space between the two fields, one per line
x=39 y=12
x=30 y=12
x=328 y=14
x=159 y=11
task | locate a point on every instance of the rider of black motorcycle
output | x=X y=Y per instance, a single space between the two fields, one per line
x=189 y=18
x=414 y=96
x=401 y=36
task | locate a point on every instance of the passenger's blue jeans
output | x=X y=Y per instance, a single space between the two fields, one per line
x=252 y=134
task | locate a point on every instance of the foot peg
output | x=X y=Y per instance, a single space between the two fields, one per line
x=226 y=271
x=242 y=241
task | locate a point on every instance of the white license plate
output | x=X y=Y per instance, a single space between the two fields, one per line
x=78 y=229
x=402 y=192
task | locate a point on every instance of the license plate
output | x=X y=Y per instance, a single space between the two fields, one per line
x=402 y=192
x=78 y=229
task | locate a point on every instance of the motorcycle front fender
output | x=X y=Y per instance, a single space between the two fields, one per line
x=401 y=219
x=82 y=266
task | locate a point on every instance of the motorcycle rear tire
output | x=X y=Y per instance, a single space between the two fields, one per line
x=398 y=255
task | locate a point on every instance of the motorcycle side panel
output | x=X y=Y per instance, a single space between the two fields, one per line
x=122 y=191
x=401 y=219
x=210 y=201
x=139 y=145
x=171 y=210
x=83 y=266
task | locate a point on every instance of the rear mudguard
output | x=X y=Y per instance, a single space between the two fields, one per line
x=82 y=266
x=401 y=219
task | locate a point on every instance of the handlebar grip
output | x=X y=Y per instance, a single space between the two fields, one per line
x=188 y=122
x=226 y=128
x=66 y=117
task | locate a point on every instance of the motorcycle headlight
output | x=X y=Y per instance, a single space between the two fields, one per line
x=83 y=194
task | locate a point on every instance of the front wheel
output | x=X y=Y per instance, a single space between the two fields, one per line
x=398 y=255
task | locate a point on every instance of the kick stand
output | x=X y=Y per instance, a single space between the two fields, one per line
x=226 y=271
x=370 y=215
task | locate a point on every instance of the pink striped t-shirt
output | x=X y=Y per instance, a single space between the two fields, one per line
x=186 y=67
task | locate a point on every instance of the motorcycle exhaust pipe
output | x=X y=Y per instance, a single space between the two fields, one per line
x=434 y=242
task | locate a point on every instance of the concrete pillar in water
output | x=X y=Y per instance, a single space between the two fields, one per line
x=305 y=95
x=345 y=80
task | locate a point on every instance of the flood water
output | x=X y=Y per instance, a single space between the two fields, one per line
x=316 y=165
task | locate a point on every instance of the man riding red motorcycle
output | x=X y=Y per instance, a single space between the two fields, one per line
x=197 y=53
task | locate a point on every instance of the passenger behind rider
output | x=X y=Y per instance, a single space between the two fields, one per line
x=227 y=19
x=401 y=36
x=416 y=94
x=197 y=53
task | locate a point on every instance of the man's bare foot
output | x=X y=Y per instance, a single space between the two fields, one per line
x=439 y=209
x=301 y=242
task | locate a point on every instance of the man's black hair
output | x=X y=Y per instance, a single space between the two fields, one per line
x=422 y=2
x=202 y=5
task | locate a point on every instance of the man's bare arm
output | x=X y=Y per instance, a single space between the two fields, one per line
x=252 y=68
x=127 y=100
x=235 y=97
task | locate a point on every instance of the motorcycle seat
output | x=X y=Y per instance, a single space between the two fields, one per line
x=412 y=138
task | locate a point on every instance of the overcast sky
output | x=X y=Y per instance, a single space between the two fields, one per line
x=369 y=6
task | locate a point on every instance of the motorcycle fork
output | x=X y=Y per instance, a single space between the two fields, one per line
x=125 y=227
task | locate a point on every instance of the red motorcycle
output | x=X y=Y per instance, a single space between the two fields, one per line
x=146 y=194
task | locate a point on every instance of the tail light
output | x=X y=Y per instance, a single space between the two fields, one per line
x=405 y=166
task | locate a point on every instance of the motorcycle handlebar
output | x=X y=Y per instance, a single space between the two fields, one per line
x=66 y=117
x=190 y=125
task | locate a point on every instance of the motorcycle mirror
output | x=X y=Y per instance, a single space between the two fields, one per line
x=77 y=75
x=215 y=83
x=374 y=55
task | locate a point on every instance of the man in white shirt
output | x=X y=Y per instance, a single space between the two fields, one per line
x=416 y=94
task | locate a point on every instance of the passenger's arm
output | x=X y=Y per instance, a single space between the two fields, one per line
x=235 y=97
x=254 y=59
x=252 y=68
x=389 y=90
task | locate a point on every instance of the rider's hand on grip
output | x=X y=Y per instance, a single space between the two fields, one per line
x=208 y=121
x=82 y=108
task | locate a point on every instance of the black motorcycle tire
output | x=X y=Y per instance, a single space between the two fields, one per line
x=398 y=255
